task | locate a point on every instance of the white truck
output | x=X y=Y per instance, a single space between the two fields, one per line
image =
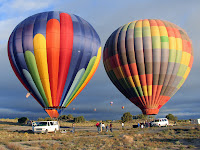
x=195 y=121
x=160 y=122
x=45 y=126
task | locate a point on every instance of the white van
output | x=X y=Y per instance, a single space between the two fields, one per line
x=195 y=121
x=45 y=126
x=160 y=122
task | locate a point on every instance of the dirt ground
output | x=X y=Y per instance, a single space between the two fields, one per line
x=91 y=133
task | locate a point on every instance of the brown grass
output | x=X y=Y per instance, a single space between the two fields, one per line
x=180 y=137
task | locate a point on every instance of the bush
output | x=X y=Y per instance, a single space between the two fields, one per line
x=66 y=117
x=126 y=117
x=23 y=120
x=79 y=119
x=93 y=120
x=48 y=119
x=40 y=119
x=142 y=116
x=70 y=117
x=171 y=117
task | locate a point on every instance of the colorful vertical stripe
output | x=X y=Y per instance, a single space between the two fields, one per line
x=54 y=55
x=148 y=61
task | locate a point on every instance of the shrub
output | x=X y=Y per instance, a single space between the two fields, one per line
x=79 y=119
x=66 y=117
x=171 y=117
x=126 y=117
x=142 y=116
x=40 y=119
x=48 y=119
x=23 y=120
x=93 y=120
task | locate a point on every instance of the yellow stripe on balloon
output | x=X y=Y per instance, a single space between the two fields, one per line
x=163 y=31
x=179 y=44
x=138 y=24
x=155 y=31
x=172 y=43
x=145 y=23
x=89 y=76
x=39 y=44
x=145 y=90
x=130 y=79
x=185 y=60
x=137 y=80
x=186 y=73
x=149 y=90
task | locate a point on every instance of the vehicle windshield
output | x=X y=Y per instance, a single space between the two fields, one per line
x=157 y=120
x=41 y=123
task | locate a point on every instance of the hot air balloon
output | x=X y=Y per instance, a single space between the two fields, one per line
x=54 y=55
x=28 y=94
x=73 y=108
x=122 y=107
x=111 y=103
x=148 y=61
x=95 y=109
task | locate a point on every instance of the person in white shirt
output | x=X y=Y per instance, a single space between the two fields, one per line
x=122 y=126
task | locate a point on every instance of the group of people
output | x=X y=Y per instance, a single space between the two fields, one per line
x=101 y=127
x=144 y=124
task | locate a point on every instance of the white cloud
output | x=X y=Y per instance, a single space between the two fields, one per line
x=24 y=5
x=7 y=26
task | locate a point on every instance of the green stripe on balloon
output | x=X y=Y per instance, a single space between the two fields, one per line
x=32 y=84
x=88 y=69
x=74 y=85
x=32 y=67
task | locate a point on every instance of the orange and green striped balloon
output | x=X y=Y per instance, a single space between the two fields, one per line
x=148 y=61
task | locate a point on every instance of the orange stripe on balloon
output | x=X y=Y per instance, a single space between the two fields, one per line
x=52 y=113
x=133 y=69
x=66 y=45
x=191 y=61
x=154 y=93
x=53 y=51
x=158 y=93
x=170 y=32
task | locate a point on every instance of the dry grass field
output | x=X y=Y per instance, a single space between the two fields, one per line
x=18 y=137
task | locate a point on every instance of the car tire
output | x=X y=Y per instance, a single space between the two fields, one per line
x=46 y=131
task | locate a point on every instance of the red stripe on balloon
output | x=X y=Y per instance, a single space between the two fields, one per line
x=53 y=51
x=66 y=45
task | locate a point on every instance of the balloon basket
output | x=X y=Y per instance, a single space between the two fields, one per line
x=150 y=111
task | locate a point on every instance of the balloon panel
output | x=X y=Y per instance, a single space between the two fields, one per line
x=148 y=61
x=54 y=55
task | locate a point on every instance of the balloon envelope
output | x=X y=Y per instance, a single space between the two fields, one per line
x=148 y=61
x=54 y=55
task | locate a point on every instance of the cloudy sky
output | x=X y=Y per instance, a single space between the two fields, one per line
x=105 y=16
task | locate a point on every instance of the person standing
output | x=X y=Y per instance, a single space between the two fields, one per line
x=110 y=127
x=103 y=126
x=138 y=124
x=73 y=127
x=99 y=128
x=107 y=128
x=97 y=125
x=122 y=126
